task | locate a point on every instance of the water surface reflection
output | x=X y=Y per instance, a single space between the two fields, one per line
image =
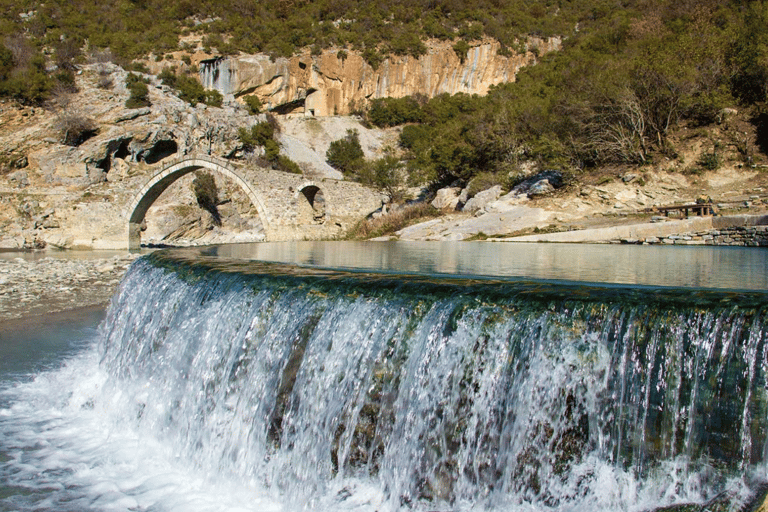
x=734 y=268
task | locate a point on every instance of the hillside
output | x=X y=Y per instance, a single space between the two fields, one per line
x=631 y=104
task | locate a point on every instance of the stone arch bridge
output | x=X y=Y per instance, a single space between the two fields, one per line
x=290 y=206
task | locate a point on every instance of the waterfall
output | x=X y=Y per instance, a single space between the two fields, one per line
x=218 y=75
x=329 y=388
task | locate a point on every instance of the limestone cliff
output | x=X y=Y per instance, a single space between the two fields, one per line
x=334 y=83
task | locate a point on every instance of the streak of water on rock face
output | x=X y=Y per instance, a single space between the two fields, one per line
x=336 y=391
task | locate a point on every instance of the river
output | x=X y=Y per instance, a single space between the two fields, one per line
x=403 y=376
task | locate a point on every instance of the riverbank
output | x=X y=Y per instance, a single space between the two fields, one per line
x=33 y=287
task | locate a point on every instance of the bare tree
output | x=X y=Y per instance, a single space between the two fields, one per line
x=617 y=130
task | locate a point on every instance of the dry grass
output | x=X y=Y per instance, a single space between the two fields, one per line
x=389 y=224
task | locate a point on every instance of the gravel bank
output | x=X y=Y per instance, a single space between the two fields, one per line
x=49 y=285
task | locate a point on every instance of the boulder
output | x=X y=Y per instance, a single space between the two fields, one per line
x=540 y=184
x=481 y=199
x=446 y=198
x=541 y=188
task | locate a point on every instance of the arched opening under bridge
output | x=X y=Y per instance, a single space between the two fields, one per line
x=152 y=190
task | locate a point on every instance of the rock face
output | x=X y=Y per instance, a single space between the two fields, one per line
x=327 y=84
x=482 y=199
x=55 y=195
x=446 y=198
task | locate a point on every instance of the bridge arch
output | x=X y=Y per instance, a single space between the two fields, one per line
x=310 y=202
x=172 y=172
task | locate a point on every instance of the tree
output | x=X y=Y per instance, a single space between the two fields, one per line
x=139 y=92
x=394 y=111
x=253 y=103
x=74 y=129
x=461 y=48
x=385 y=174
x=207 y=194
x=346 y=154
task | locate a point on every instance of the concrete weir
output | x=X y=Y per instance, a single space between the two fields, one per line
x=290 y=206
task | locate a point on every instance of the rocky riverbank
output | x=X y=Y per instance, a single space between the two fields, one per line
x=34 y=287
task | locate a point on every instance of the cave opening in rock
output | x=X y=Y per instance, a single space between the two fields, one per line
x=162 y=149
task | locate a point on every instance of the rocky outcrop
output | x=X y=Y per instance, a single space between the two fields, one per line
x=335 y=83
x=55 y=195
x=481 y=199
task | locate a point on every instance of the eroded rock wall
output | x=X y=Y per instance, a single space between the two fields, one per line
x=328 y=84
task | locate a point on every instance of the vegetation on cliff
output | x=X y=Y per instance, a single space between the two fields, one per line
x=629 y=73
x=613 y=95
x=262 y=135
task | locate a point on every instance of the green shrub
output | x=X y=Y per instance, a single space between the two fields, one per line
x=27 y=83
x=461 y=48
x=205 y=190
x=710 y=161
x=384 y=112
x=372 y=57
x=168 y=77
x=414 y=136
x=385 y=174
x=213 y=98
x=139 y=92
x=253 y=103
x=346 y=154
x=138 y=67
x=285 y=164
x=263 y=134
x=189 y=89
x=207 y=194
x=258 y=135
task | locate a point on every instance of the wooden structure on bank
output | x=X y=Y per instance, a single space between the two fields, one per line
x=686 y=210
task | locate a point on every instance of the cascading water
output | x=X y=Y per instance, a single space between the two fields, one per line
x=322 y=390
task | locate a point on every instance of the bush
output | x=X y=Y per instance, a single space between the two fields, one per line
x=139 y=92
x=213 y=98
x=253 y=103
x=29 y=84
x=710 y=161
x=259 y=135
x=168 y=77
x=386 y=175
x=189 y=89
x=207 y=194
x=385 y=112
x=263 y=134
x=461 y=48
x=75 y=129
x=372 y=57
x=285 y=164
x=346 y=154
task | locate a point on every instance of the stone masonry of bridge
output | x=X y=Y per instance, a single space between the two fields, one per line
x=290 y=206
